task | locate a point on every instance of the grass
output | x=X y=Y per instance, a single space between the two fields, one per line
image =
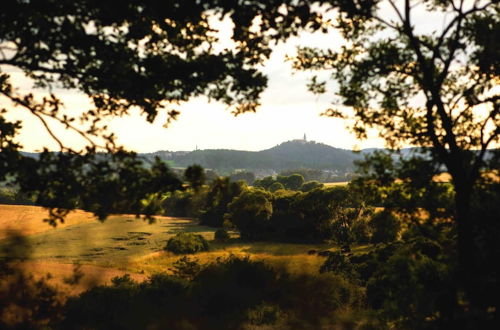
x=294 y=257
x=28 y=220
x=125 y=244
x=113 y=243
x=333 y=184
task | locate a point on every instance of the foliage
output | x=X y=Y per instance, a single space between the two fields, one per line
x=328 y=213
x=120 y=58
x=292 y=182
x=195 y=176
x=14 y=197
x=221 y=235
x=177 y=203
x=435 y=89
x=220 y=193
x=128 y=305
x=276 y=186
x=286 y=225
x=413 y=283
x=186 y=243
x=322 y=214
x=310 y=185
x=410 y=284
x=227 y=294
x=265 y=182
x=186 y=268
x=250 y=213
x=486 y=211
x=414 y=286
x=386 y=227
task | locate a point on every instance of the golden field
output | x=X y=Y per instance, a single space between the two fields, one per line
x=124 y=244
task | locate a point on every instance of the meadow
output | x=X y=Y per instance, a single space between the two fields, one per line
x=125 y=244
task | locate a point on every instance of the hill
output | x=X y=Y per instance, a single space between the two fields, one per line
x=287 y=155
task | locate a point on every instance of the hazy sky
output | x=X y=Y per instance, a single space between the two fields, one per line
x=288 y=111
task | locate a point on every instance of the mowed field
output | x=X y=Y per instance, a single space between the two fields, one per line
x=124 y=244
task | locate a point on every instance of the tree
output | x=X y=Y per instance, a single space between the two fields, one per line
x=385 y=226
x=250 y=213
x=276 y=186
x=195 y=176
x=292 y=182
x=323 y=213
x=436 y=90
x=310 y=185
x=220 y=193
x=148 y=55
x=265 y=182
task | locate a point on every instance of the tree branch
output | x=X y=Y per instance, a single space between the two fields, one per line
x=40 y=114
x=26 y=105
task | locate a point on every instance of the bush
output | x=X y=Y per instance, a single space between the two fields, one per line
x=184 y=243
x=230 y=293
x=221 y=235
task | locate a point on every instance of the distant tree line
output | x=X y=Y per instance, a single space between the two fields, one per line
x=285 y=208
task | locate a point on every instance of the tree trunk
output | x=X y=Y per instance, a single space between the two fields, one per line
x=469 y=258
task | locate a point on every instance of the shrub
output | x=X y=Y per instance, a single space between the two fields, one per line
x=184 y=243
x=221 y=235
x=186 y=268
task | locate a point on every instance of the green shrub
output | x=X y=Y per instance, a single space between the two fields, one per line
x=221 y=235
x=184 y=243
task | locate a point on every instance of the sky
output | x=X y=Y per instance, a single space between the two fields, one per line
x=288 y=111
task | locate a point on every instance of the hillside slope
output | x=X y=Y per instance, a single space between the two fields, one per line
x=288 y=155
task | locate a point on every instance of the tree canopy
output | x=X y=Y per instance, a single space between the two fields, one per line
x=148 y=55
x=436 y=89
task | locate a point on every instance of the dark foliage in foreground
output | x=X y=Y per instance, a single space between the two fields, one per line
x=228 y=294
